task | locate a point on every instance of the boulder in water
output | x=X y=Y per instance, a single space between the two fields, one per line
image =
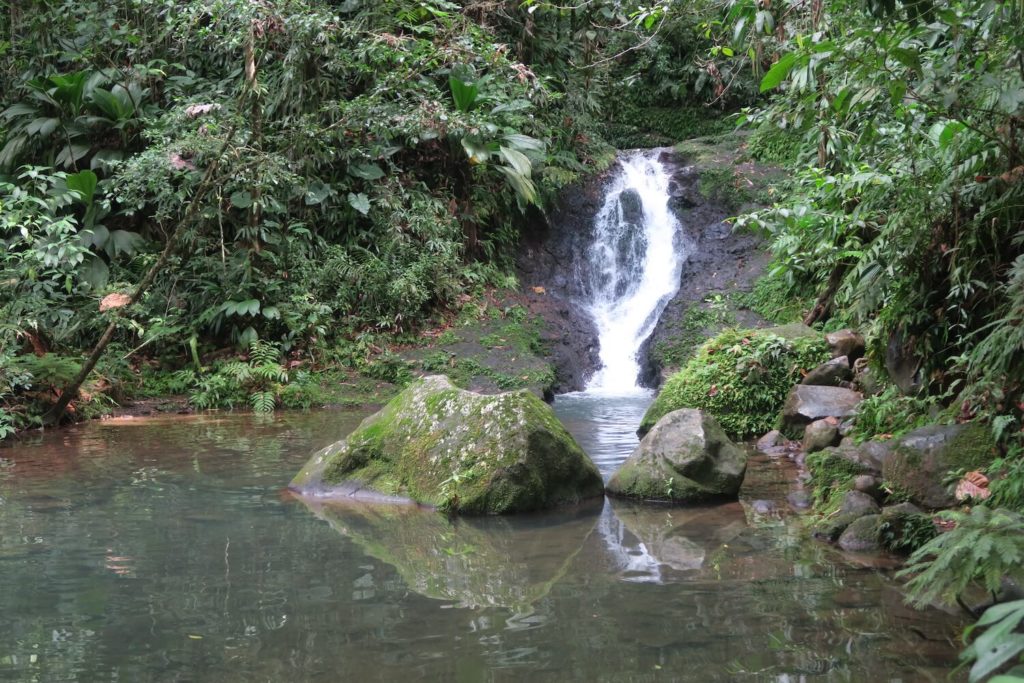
x=438 y=445
x=686 y=457
x=862 y=535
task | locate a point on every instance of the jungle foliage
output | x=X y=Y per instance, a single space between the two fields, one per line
x=374 y=163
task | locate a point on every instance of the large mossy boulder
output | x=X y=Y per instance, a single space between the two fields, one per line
x=741 y=378
x=685 y=458
x=921 y=461
x=438 y=445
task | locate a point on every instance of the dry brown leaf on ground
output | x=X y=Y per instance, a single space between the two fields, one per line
x=973 y=485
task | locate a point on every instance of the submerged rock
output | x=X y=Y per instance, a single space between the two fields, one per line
x=438 y=445
x=686 y=457
x=921 y=460
x=807 y=403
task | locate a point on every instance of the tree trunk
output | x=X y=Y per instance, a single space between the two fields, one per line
x=69 y=393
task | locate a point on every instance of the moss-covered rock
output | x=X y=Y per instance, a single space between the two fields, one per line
x=922 y=460
x=862 y=535
x=685 y=458
x=461 y=452
x=741 y=378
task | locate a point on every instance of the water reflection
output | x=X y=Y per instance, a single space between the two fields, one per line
x=162 y=550
x=655 y=544
x=508 y=562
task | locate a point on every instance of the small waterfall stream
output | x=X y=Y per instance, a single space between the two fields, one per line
x=634 y=267
x=635 y=263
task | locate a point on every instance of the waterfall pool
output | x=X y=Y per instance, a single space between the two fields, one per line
x=164 y=549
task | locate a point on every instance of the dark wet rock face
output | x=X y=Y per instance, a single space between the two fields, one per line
x=686 y=457
x=438 y=445
x=551 y=256
x=720 y=262
x=553 y=253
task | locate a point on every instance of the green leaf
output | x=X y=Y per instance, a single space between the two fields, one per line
x=95 y=272
x=241 y=199
x=523 y=142
x=360 y=202
x=463 y=94
x=366 y=171
x=517 y=160
x=727 y=51
x=84 y=183
x=778 y=72
x=317 y=192
x=124 y=242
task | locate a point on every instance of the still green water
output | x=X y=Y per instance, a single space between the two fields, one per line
x=165 y=549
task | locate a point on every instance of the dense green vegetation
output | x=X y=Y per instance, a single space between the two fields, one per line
x=741 y=377
x=230 y=193
x=309 y=174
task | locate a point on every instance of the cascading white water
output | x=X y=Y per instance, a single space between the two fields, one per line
x=635 y=263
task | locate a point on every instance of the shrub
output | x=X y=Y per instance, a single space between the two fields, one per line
x=741 y=377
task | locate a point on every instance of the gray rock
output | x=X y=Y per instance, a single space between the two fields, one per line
x=819 y=435
x=686 y=457
x=799 y=500
x=858 y=504
x=900 y=510
x=830 y=528
x=770 y=441
x=833 y=373
x=921 y=461
x=807 y=403
x=862 y=534
x=903 y=364
x=869 y=484
x=849 y=343
x=439 y=445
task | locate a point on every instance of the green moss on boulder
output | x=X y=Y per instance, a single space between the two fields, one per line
x=686 y=458
x=438 y=445
x=922 y=460
x=741 y=378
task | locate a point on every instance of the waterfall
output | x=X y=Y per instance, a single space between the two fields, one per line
x=634 y=267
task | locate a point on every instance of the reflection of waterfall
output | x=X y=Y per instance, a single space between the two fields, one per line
x=635 y=264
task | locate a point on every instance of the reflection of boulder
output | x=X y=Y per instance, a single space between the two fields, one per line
x=459 y=451
x=646 y=542
x=508 y=562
